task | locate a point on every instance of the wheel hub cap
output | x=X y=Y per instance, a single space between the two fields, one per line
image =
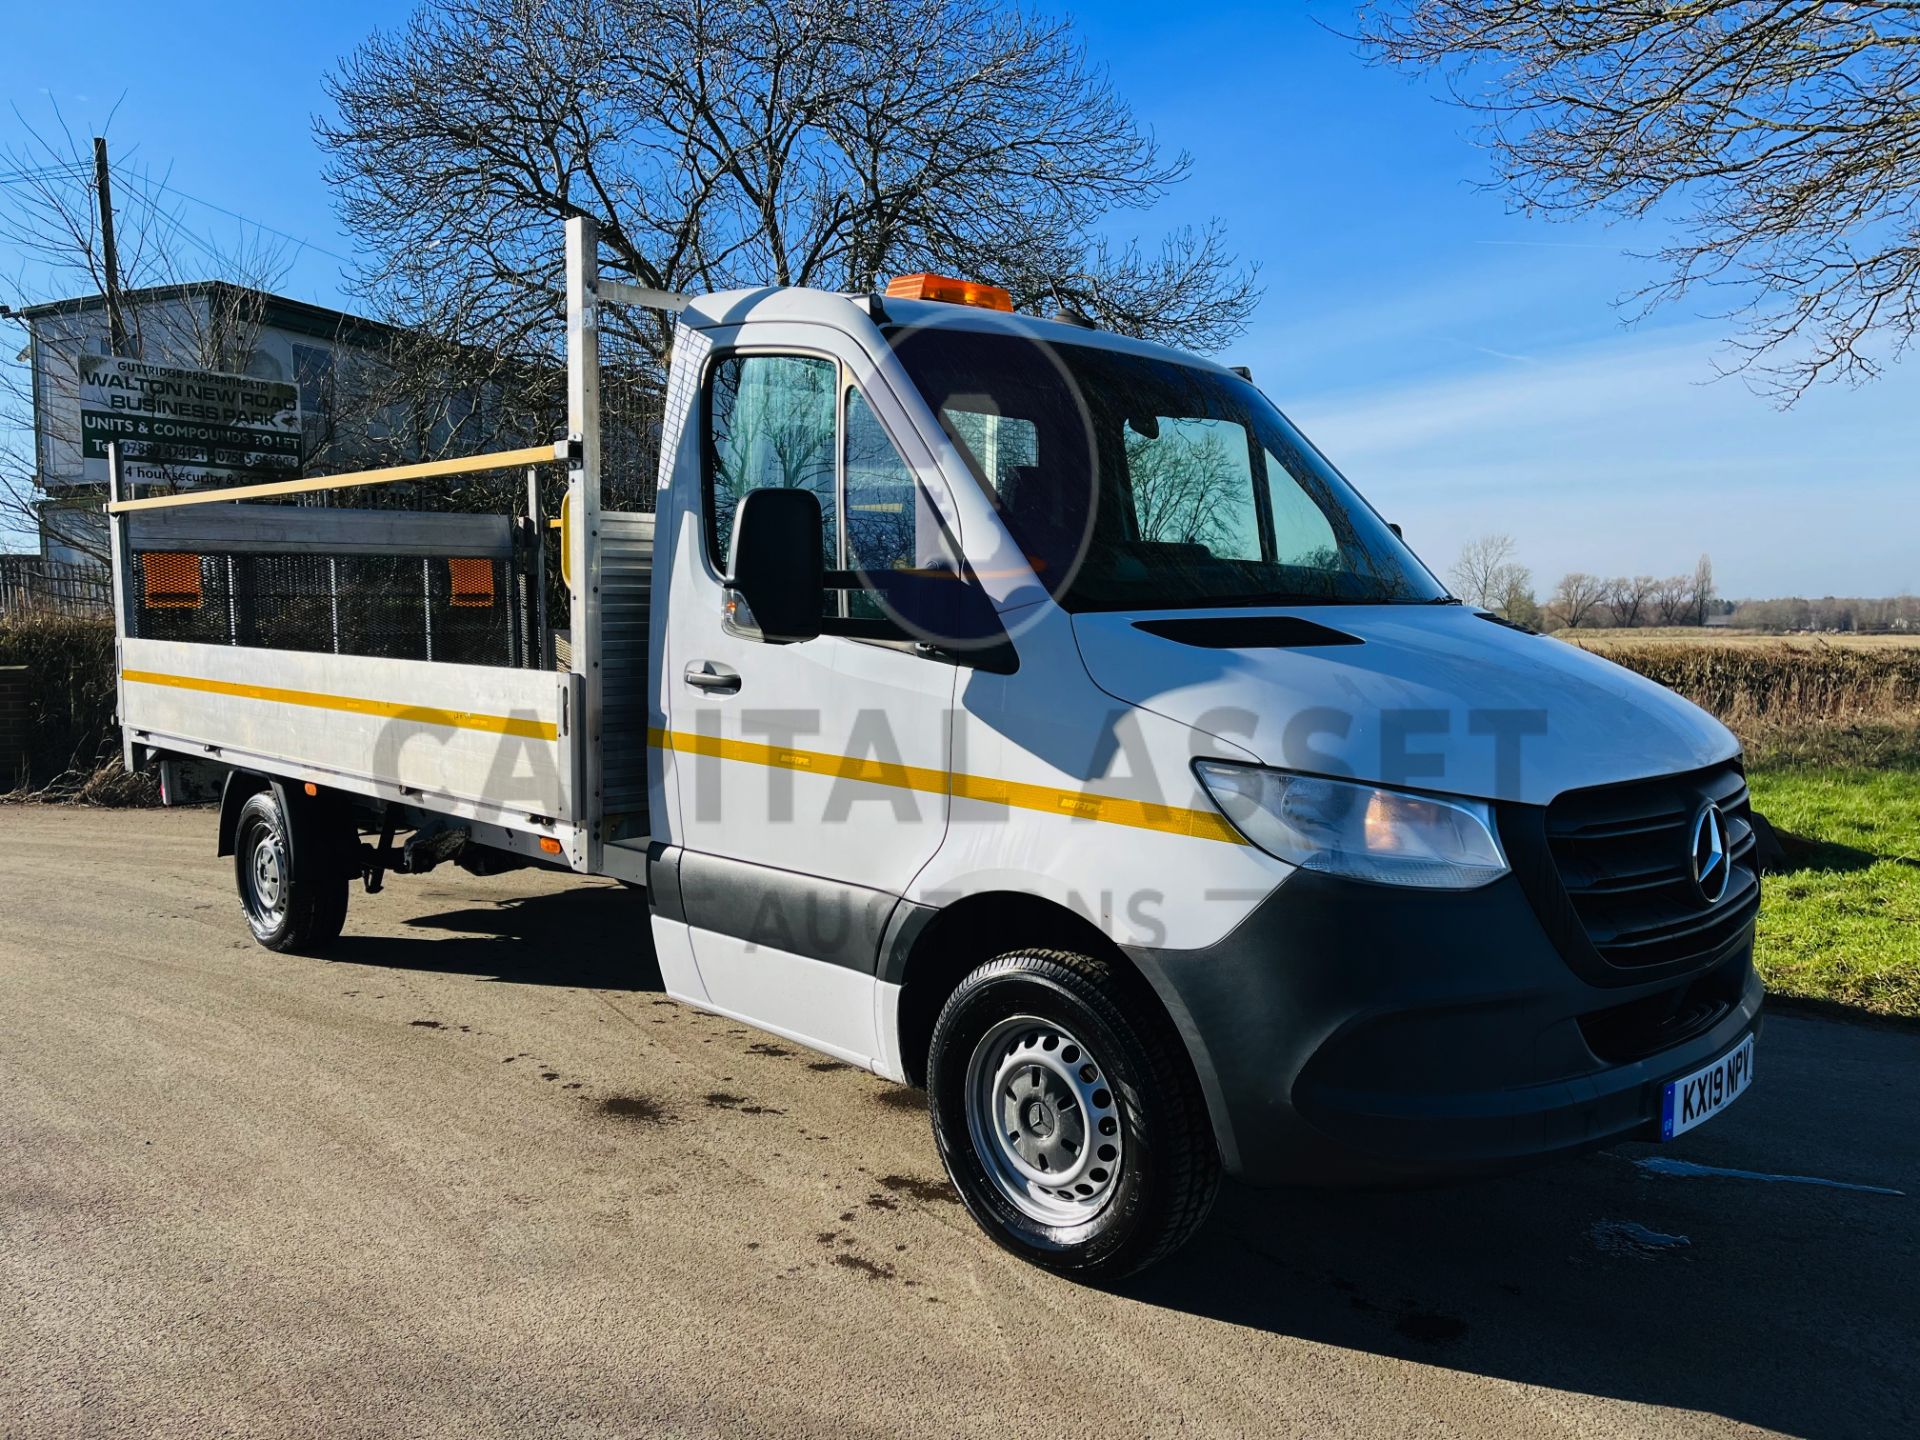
x=1044 y=1120
x=266 y=874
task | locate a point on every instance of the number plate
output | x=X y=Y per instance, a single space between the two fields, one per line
x=1698 y=1097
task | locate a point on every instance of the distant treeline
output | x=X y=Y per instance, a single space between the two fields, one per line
x=1844 y=614
x=1489 y=574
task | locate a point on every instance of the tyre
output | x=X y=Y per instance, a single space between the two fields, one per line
x=1068 y=1117
x=291 y=873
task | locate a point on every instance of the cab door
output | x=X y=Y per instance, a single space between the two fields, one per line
x=810 y=777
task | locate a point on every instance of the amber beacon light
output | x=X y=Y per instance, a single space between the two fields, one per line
x=950 y=290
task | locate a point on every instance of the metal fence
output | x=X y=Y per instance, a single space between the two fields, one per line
x=32 y=585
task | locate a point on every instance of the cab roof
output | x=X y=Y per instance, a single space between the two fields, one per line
x=853 y=313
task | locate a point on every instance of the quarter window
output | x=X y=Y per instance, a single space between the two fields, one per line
x=891 y=524
x=1302 y=535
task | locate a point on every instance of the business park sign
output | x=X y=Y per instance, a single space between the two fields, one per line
x=184 y=426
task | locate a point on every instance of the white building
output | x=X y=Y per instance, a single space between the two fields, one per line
x=206 y=325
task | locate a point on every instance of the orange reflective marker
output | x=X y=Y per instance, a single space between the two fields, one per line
x=311 y=788
x=550 y=845
x=950 y=290
x=472 y=583
x=172 y=581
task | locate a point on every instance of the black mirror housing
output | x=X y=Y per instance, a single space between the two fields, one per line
x=936 y=606
x=775 y=567
x=946 y=614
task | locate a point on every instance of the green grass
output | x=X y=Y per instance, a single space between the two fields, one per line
x=1844 y=926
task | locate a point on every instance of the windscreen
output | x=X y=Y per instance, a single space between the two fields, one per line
x=1134 y=482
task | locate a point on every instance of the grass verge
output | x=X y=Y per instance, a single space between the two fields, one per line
x=1844 y=927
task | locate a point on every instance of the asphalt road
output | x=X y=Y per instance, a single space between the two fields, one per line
x=474 y=1176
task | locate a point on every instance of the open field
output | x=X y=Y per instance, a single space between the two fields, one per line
x=1603 y=638
x=475 y=1176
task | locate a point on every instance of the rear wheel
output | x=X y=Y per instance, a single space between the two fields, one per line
x=1068 y=1117
x=291 y=873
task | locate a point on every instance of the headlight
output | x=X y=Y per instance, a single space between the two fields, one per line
x=1360 y=831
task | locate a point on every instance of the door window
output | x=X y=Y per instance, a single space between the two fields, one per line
x=771 y=424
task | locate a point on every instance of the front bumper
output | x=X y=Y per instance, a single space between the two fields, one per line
x=1347 y=1033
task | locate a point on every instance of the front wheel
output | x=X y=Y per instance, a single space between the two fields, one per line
x=1068 y=1117
x=290 y=874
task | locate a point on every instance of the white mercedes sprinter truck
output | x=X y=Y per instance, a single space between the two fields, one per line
x=1034 y=715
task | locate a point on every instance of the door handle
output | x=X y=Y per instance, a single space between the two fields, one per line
x=719 y=679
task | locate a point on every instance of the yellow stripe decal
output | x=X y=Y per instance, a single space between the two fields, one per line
x=1080 y=804
x=383 y=709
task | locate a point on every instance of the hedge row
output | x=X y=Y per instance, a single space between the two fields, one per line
x=1770 y=687
x=71 y=699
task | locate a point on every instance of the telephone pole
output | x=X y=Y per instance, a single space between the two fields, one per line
x=109 y=255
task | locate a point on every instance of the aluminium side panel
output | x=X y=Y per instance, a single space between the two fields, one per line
x=472 y=740
x=626 y=586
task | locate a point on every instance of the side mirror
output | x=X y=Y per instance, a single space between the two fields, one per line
x=776 y=585
x=936 y=606
x=945 y=614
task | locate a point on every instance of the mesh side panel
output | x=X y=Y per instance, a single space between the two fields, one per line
x=209 y=621
x=399 y=607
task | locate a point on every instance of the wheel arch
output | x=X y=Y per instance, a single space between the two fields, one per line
x=927 y=951
x=240 y=786
x=294 y=802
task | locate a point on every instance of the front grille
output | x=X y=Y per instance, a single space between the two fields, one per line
x=1623 y=855
x=1667 y=1017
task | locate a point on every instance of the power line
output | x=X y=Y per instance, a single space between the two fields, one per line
x=231 y=214
x=180 y=228
x=144 y=183
x=45 y=172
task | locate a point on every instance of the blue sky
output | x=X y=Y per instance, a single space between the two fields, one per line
x=1466 y=367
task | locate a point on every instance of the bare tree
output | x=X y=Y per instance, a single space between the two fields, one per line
x=722 y=143
x=1184 y=484
x=1578 y=598
x=1672 y=600
x=1627 y=598
x=49 y=218
x=1483 y=566
x=1781 y=135
x=1700 y=590
x=1514 y=598
x=1487 y=575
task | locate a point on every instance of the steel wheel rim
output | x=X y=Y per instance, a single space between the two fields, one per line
x=1044 y=1121
x=266 y=875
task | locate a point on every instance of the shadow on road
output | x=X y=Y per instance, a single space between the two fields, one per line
x=1788 y=1307
x=585 y=937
